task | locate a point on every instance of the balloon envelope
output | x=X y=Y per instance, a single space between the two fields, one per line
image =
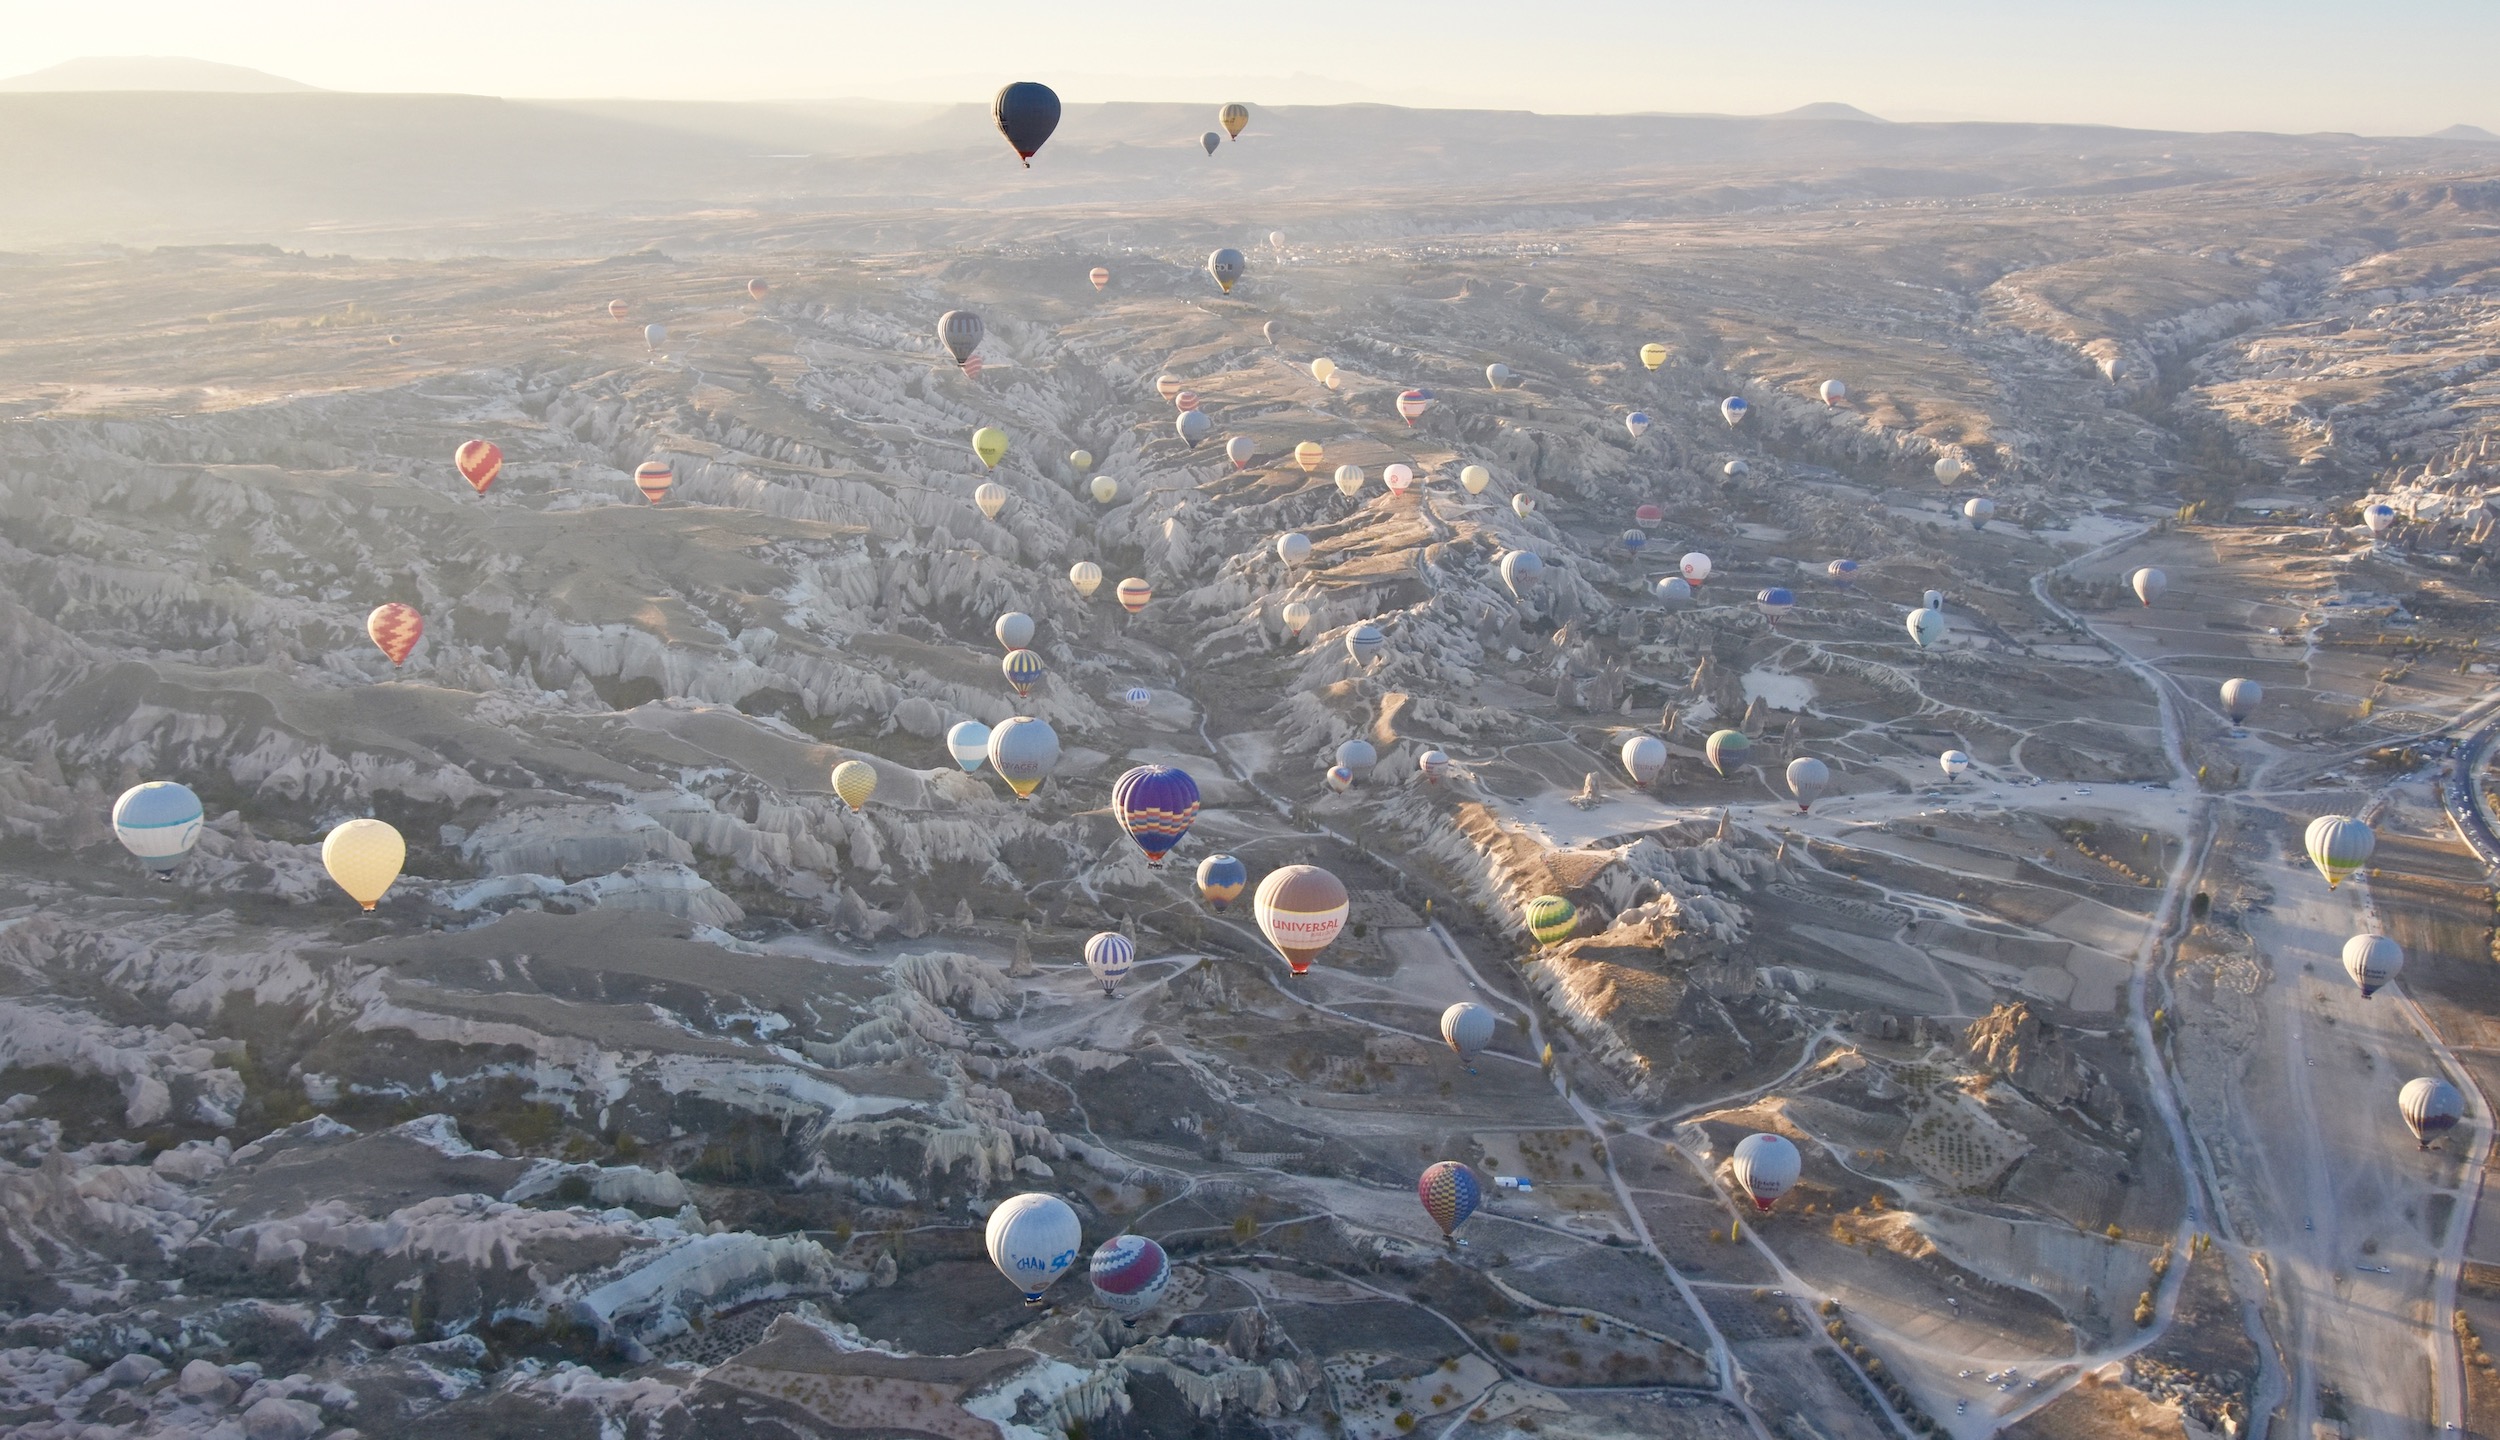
x=1766 y=1165
x=479 y=462
x=1497 y=375
x=1950 y=469
x=1675 y=590
x=1364 y=642
x=2240 y=699
x=363 y=858
x=1211 y=140
x=1104 y=489
x=2380 y=518
x=1300 y=909
x=1155 y=805
x=1349 y=480
x=1099 y=276
x=1776 y=601
x=1450 y=1194
x=1293 y=547
x=1232 y=117
x=991 y=497
x=1637 y=422
x=1550 y=918
x=1467 y=1028
x=655 y=478
x=1808 y=778
x=1412 y=404
x=1026 y=112
x=969 y=742
x=1110 y=955
x=159 y=821
x=1322 y=368
x=2372 y=961
x=990 y=443
x=654 y=335
x=2430 y=1106
x=1653 y=355
x=1080 y=460
x=1520 y=570
x=616 y=309
x=1358 y=756
x=757 y=289
x=1134 y=594
x=1979 y=510
x=1734 y=409
x=1925 y=626
x=2148 y=584
x=1296 y=616
x=1129 y=1274
x=1033 y=1239
x=1523 y=504
x=394 y=629
x=1221 y=879
x=1226 y=266
x=1695 y=567
x=1397 y=478
x=855 y=781
x=1474 y=478
x=1635 y=540
x=1023 y=670
x=1308 y=455
x=2338 y=845
x=1433 y=764
x=1834 y=392
x=1086 y=576
x=1024 y=750
x=1649 y=515
x=1953 y=763
x=960 y=331
x=1239 y=450
x=1193 y=426
x=1643 y=757
x=1014 y=630
x=1726 y=750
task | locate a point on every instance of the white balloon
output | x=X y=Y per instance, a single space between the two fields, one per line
x=1033 y=1240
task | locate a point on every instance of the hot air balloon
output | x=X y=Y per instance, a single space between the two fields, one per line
x=1653 y=355
x=1675 y=590
x=1497 y=375
x=159 y=821
x=2430 y=1107
x=654 y=335
x=1293 y=547
x=960 y=331
x=1024 y=751
x=1271 y=330
x=1637 y=422
x=1726 y=750
x=1225 y=266
x=1100 y=276
x=1398 y=478
x=1520 y=569
x=1296 y=616
x=1649 y=515
x=1232 y=117
x=1155 y=805
x=1736 y=470
x=1808 y=778
x=1550 y=918
x=1467 y=1028
x=1169 y=387
x=1322 y=369
x=394 y=628
x=2240 y=699
x=1766 y=1165
x=1138 y=697
x=1834 y=392
x=1133 y=594
x=1474 y=478
x=2372 y=961
x=2148 y=584
x=1926 y=627
x=1339 y=779
x=1023 y=670
x=616 y=309
x=1634 y=540
x=1364 y=643
x=1644 y=756
x=969 y=742
x=1103 y=488
x=1842 y=571
x=1358 y=756
x=1129 y=1274
x=2380 y=518
x=1349 y=480
x=1185 y=400
x=1433 y=764
x=2339 y=845
x=990 y=443
x=1109 y=955
x=1300 y=909
x=1950 y=469
x=479 y=462
x=1221 y=879
x=363 y=858
x=1086 y=576
x=1193 y=426
x=1953 y=763
x=1774 y=602
x=1276 y=239
x=1080 y=461
x=1033 y=1238
x=1026 y=113
x=1014 y=630
x=1239 y=450
x=1308 y=455
x=855 y=781
x=1733 y=409
x=1450 y=1194
x=1523 y=504
x=1211 y=140
x=991 y=497
x=654 y=478
x=1978 y=510
x=1934 y=601
x=1695 y=568
x=1412 y=404
x=757 y=289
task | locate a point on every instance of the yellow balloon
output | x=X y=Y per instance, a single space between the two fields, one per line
x=1105 y=489
x=1307 y=455
x=990 y=443
x=854 y=781
x=1322 y=368
x=1086 y=576
x=1234 y=117
x=1475 y=478
x=1081 y=460
x=1653 y=354
x=364 y=857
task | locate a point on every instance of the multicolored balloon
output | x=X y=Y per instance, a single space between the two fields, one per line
x=1110 y=955
x=1308 y=455
x=1300 y=909
x=1239 y=450
x=655 y=478
x=1349 y=480
x=1637 y=422
x=1413 y=403
x=1450 y=1194
x=395 y=630
x=1129 y=1274
x=1232 y=117
x=1155 y=805
x=2339 y=845
x=1221 y=879
x=1099 y=276
x=1726 y=750
x=1397 y=478
x=1550 y=918
x=1434 y=765
x=969 y=742
x=757 y=289
x=1734 y=410
x=479 y=462
x=1023 y=670
x=1775 y=601
x=1024 y=750
x=1133 y=594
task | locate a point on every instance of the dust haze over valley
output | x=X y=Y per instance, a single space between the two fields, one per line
x=665 y=1095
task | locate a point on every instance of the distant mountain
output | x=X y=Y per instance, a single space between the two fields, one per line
x=2475 y=133
x=152 y=72
x=1828 y=110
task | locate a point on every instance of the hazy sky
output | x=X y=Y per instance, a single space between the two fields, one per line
x=2389 y=67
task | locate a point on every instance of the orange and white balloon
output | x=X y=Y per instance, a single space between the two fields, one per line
x=395 y=629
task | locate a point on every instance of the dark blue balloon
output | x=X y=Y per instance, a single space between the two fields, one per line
x=1155 y=804
x=1026 y=112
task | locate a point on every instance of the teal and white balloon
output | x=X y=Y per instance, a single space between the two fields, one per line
x=159 y=822
x=1954 y=764
x=969 y=743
